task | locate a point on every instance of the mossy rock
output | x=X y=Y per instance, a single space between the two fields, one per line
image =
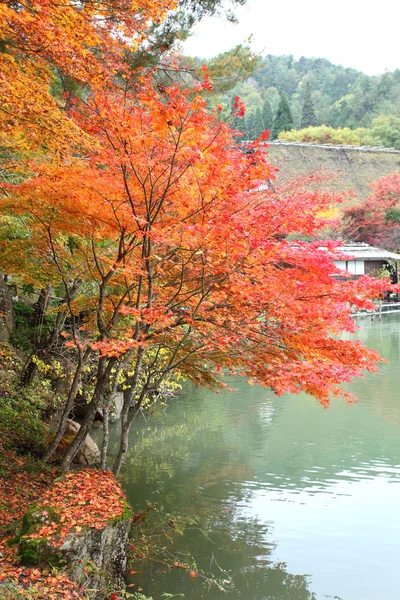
x=125 y=516
x=34 y=518
x=36 y=551
x=91 y=556
x=31 y=551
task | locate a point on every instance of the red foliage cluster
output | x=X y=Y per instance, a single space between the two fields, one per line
x=82 y=499
x=376 y=220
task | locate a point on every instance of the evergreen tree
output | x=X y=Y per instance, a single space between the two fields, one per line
x=283 y=120
x=308 y=118
x=250 y=120
x=267 y=115
x=258 y=123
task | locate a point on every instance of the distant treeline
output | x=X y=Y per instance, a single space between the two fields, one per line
x=284 y=94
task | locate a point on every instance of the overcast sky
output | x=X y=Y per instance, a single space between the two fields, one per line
x=354 y=33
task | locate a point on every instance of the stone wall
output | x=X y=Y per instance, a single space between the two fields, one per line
x=354 y=167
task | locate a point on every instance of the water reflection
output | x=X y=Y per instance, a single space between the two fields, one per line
x=296 y=502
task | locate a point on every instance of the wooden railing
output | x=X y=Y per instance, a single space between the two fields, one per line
x=382 y=308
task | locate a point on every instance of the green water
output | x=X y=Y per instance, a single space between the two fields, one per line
x=295 y=502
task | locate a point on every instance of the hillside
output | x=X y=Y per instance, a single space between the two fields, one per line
x=333 y=95
x=356 y=167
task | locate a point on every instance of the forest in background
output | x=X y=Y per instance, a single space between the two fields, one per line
x=284 y=93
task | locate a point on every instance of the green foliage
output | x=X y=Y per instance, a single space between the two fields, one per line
x=267 y=115
x=341 y=98
x=308 y=118
x=250 y=118
x=258 y=123
x=228 y=69
x=324 y=135
x=393 y=214
x=283 y=120
x=23 y=410
x=385 y=131
x=22 y=336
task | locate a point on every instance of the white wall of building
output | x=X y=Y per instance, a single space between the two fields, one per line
x=355 y=267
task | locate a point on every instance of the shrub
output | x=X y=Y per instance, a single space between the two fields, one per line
x=23 y=410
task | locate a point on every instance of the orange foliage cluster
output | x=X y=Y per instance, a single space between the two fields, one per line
x=81 y=42
x=86 y=498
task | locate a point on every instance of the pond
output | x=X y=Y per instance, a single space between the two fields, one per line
x=293 y=501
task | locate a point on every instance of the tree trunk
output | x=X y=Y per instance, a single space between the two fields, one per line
x=128 y=415
x=123 y=444
x=123 y=448
x=45 y=347
x=48 y=344
x=128 y=398
x=29 y=370
x=67 y=409
x=68 y=406
x=103 y=375
x=106 y=435
x=40 y=306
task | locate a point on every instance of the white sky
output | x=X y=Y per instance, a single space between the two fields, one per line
x=361 y=34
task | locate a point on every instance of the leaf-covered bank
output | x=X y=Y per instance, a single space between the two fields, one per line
x=55 y=532
x=63 y=540
x=22 y=482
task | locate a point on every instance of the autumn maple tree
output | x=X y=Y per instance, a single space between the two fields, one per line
x=376 y=220
x=171 y=256
x=162 y=241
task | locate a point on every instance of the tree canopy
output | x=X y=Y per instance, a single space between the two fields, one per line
x=377 y=219
x=308 y=118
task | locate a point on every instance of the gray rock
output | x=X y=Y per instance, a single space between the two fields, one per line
x=103 y=549
x=89 y=454
x=81 y=408
x=116 y=404
x=6 y=311
x=94 y=558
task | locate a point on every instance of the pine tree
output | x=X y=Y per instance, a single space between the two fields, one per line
x=308 y=118
x=250 y=120
x=258 y=123
x=267 y=115
x=283 y=120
